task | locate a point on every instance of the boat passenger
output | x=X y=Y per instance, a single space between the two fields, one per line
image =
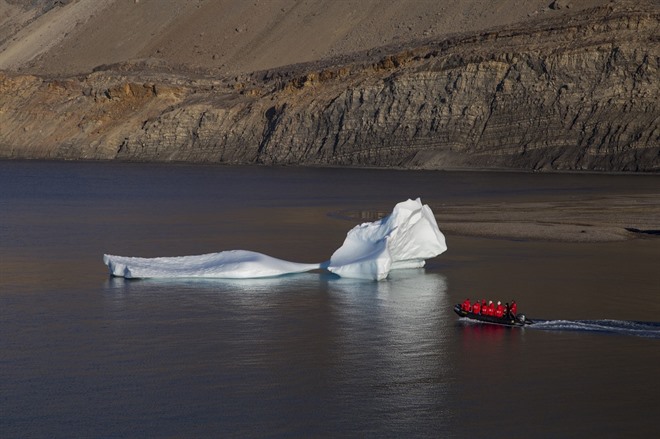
x=491 y=308
x=476 y=308
x=466 y=305
x=514 y=308
x=499 y=310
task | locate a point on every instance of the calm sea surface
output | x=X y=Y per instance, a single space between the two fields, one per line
x=312 y=355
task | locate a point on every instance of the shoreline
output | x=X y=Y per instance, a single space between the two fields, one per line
x=596 y=220
x=650 y=173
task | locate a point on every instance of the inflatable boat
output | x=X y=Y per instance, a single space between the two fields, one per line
x=507 y=320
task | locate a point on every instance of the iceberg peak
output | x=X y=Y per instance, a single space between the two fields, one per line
x=403 y=239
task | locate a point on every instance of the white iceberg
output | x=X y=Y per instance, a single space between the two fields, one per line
x=232 y=264
x=403 y=239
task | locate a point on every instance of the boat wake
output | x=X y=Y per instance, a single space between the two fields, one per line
x=621 y=327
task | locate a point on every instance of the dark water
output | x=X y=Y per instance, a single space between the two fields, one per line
x=311 y=355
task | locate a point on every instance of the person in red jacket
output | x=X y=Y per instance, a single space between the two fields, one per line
x=466 y=305
x=476 y=308
x=514 y=308
x=499 y=310
x=491 y=308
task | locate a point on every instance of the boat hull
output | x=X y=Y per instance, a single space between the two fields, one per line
x=518 y=320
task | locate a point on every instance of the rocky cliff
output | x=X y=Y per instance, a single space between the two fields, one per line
x=578 y=92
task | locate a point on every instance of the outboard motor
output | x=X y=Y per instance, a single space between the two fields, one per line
x=521 y=318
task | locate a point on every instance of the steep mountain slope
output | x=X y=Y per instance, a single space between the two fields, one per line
x=235 y=36
x=575 y=90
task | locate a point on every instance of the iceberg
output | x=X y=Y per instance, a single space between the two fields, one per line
x=403 y=239
x=232 y=264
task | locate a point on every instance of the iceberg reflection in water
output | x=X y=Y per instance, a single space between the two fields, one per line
x=403 y=239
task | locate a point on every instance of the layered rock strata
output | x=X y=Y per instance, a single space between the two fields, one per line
x=578 y=93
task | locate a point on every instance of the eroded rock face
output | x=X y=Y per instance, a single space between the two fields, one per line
x=577 y=94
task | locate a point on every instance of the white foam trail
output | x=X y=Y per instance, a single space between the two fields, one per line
x=622 y=327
